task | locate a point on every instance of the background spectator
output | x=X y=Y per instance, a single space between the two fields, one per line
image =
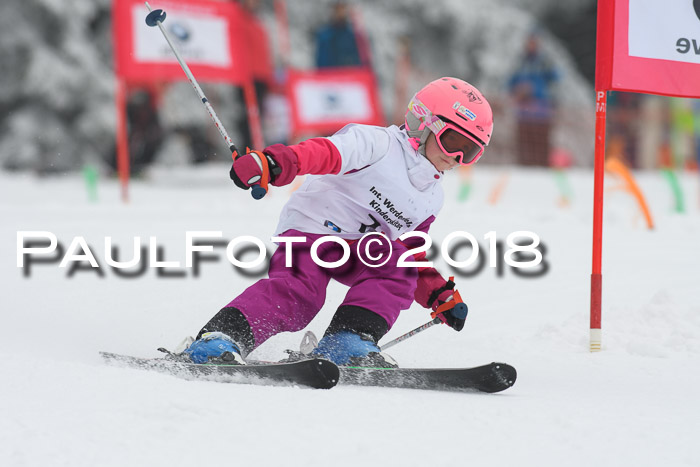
x=531 y=88
x=623 y=110
x=336 y=42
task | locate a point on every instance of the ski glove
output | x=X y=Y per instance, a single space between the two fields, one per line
x=277 y=164
x=447 y=304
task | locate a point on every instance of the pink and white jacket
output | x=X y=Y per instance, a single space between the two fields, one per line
x=363 y=179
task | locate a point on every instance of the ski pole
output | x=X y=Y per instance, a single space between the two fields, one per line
x=459 y=310
x=422 y=328
x=156 y=18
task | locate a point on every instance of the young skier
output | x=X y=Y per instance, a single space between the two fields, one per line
x=362 y=179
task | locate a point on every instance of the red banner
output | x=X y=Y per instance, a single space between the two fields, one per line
x=324 y=101
x=649 y=46
x=206 y=33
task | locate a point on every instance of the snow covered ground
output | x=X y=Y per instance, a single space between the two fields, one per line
x=634 y=403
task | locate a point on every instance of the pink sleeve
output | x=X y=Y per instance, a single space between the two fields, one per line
x=352 y=148
x=317 y=156
x=429 y=279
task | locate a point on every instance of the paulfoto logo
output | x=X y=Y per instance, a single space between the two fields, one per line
x=522 y=251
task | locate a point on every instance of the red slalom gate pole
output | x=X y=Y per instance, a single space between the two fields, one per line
x=253 y=111
x=598 y=181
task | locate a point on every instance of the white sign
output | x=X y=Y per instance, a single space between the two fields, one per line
x=665 y=30
x=200 y=39
x=320 y=101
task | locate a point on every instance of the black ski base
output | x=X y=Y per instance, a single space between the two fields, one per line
x=494 y=377
x=315 y=373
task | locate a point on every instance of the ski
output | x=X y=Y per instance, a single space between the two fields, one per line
x=315 y=373
x=494 y=377
x=322 y=374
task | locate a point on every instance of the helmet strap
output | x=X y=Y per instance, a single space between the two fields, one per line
x=420 y=135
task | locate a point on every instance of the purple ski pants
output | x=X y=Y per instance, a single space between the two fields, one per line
x=292 y=296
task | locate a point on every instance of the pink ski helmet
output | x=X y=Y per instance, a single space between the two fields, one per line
x=457 y=113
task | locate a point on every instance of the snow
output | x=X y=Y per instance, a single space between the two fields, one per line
x=634 y=403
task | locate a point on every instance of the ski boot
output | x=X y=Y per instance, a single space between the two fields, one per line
x=214 y=347
x=347 y=348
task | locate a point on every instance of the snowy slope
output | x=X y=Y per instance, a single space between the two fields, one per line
x=635 y=403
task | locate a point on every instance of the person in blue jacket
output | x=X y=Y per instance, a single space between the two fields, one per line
x=531 y=86
x=336 y=42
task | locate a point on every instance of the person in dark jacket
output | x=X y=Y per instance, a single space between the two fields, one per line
x=531 y=87
x=336 y=42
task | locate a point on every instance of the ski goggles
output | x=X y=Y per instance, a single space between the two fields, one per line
x=452 y=140
x=455 y=142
